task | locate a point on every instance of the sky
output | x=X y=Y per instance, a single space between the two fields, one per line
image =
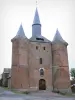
x=53 y=14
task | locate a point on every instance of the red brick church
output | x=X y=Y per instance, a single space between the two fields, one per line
x=38 y=63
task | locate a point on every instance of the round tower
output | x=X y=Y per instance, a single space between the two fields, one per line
x=19 y=72
x=61 y=78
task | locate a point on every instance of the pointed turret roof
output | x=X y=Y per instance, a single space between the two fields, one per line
x=58 y=38
x=36 y=18
x=20 y=33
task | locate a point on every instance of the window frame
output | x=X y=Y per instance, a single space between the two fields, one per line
x=44 y=48
x=36 y=47
x=40 y=60
x=41 y=72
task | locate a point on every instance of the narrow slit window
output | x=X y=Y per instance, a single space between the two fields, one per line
x=44 y=48
x=40 y=60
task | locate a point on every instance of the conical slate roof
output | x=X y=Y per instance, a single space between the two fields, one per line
x=36 y=18
x=58 y=38
x=20 y=33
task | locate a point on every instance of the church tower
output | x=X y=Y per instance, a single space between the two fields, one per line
x=38 y=63
x=40 y=58
x=61 y=78
x=19 y=74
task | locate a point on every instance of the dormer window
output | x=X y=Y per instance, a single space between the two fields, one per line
x=40 y=39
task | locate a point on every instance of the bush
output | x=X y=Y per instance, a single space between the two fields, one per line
x=56 y=91
x=25 y=92
x=73 y=88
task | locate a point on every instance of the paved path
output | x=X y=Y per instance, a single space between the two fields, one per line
x=30 y=97
x=1 y=90
x=33 y=98
x=8 y=95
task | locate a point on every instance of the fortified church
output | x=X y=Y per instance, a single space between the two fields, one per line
x=38 y=63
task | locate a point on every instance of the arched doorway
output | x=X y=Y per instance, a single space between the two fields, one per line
x=42 y=84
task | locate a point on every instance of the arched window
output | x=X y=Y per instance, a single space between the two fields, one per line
x=41 y=71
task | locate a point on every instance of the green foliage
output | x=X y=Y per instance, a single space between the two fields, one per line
x=25 y=92
x=6 y=88
x=19 y=92
x=73 y=73
x=15 y=91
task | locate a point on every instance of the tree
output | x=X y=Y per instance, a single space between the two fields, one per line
x=73 y=73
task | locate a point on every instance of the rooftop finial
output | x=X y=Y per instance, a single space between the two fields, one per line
x=36 y=3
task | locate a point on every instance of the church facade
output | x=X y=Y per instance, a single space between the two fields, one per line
x=38 y=63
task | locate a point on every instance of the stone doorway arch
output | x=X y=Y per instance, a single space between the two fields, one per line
x=42 y=84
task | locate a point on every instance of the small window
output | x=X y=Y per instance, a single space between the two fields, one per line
x=40 y=39
x=44 y=48
x=36 y=47
x=21 y=85
x=40 y=60
x=41 y=72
